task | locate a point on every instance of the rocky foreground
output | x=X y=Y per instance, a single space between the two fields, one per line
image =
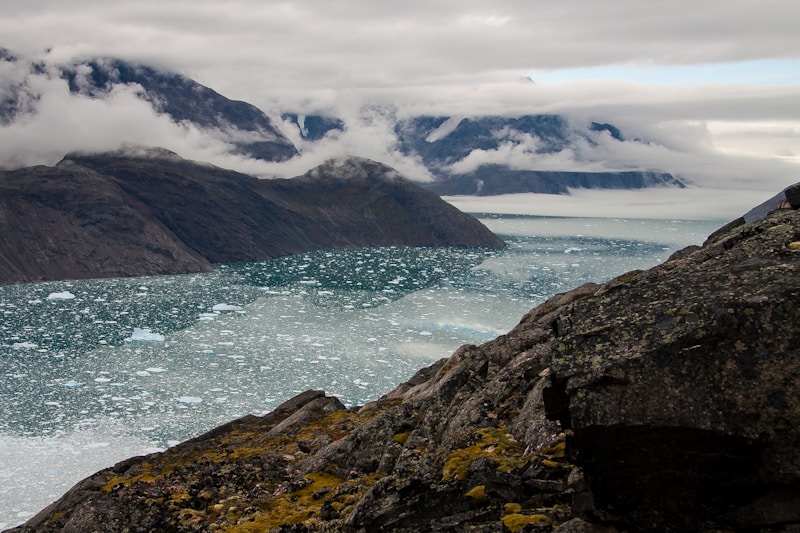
x=663 y=400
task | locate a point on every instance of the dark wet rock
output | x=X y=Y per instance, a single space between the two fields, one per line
x=145 y=211
x=663 y=400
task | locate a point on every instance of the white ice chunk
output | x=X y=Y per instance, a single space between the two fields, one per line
x=223 y=308
x=142 y=335
x=24 y=346
x=189 y=399
x=66 y=295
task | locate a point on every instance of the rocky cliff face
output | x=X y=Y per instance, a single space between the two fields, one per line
x=663 y=400
x=150 y=212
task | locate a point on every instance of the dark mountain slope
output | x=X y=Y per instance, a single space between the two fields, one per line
x=443 y=141
x=185 y=100
x=490 y=180
x=124 y=214
x=361 y=201
x=440 y=145
x=70 y=222
x=663 y=400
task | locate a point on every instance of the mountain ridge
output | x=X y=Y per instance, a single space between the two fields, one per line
x=148 y=211
x=501 y=153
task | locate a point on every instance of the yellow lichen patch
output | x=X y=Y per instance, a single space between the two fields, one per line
x=192 y=517
x=144 y=474
x=55 y=516
x=305 y=505
x=512 y=508
x=477 y=493
x=336 y=425
x=494 y=443
x=556 y=450
x=292 y=508
x=516 y=522
x=551 y=464
x=400 y=438
x=180 y=496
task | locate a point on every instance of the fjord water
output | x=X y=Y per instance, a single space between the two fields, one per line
x=96 y=371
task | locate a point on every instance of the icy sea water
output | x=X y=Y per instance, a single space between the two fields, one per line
x=92 y=372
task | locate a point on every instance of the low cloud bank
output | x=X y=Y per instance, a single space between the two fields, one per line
x=663 y=203
x=729 y=140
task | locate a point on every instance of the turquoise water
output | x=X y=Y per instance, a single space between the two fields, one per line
x=94 y=371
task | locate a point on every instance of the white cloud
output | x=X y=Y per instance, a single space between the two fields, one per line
x=448 y=57
x=667 y=203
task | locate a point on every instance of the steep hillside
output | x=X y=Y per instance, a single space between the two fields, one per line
x=128 y=213
x=185 y=100
x=663 y=400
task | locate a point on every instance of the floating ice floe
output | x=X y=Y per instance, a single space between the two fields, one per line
x=66 y=295
x=227 y=308
x=72 y=384
x=143 y=335
x=189 y=399
x=24 y=346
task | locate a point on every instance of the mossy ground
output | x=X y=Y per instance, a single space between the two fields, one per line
x=244 y=480
x=494 y=443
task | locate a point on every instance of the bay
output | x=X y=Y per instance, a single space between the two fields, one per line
x=95 y=371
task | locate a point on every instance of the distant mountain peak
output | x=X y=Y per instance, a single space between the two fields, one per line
x=353 y=168
x=184 y=100
x=129 y=150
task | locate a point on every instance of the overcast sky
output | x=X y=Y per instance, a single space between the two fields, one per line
x=717 y=80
